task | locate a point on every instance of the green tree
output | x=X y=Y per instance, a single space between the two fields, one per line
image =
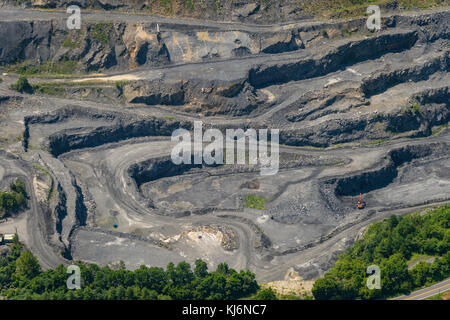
x=22 y=85
x=394 y=275
x=265 y=294
x=27 y=265
x=223 y=269
x=420 y=273
x=201 y=268
x=326 y=288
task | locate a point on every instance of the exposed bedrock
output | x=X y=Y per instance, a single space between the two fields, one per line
x=72 y=112
x=316 y=105
x=338 y=58
x=235 y=98
x=68 y=140
x=126 y=45
x=412 y=120
x=278 y=43
x=425 y=110
x=439 y=96
x=64 y=208
x=157 y=168
x=382 y=81
x=384 y=175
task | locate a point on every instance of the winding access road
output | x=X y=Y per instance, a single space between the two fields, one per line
x=427 y=292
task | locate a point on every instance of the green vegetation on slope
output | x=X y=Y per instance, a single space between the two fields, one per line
x=101 y=32
x=58 y=88
x=22 y=85
x=255 y=202
x=73 y=39
x=49 y=68
x=349 y=8
x=22 y=278
x=390 y=244
x=14 y=200
x=440 y=296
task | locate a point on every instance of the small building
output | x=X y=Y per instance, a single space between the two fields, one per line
x=8 y=237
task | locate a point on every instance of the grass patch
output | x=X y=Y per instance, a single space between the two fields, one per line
x=421 y=4
x=58 y=87
x=440 y=296
x=378 y=141
x=169 y=117
x=101 y=32
x=70 y=43
x=357 y=8
x=189 y=4
x=86 y=83
x=415 y=107
x=167 y=5
x=120 y=84
x=436 y=130
x=255 y=202
x=49 y=89
x=108 y=222
x=47 y=68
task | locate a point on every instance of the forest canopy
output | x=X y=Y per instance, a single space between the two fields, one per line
x=14 y=200
x=21 y=277
x=392 y=245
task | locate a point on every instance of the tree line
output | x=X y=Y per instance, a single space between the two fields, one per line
x=390 y=245
x=21 y=277
x=14 y=200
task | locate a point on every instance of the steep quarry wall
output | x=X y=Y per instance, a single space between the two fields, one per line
x=127 y=45
x=384 y=175
x=157 y=168
x=341 y=56
x=62 y=142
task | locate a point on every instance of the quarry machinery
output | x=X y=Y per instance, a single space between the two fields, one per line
x=360 y=204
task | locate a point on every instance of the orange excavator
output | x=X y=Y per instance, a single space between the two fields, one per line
x=360 y=204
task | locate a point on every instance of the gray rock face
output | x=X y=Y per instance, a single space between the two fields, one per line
x=128 y=45
x=264 y=75
x=26 y=40
x=246 y=10
x=282 y=42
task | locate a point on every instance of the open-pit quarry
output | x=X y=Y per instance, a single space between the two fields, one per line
x=358 y=112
